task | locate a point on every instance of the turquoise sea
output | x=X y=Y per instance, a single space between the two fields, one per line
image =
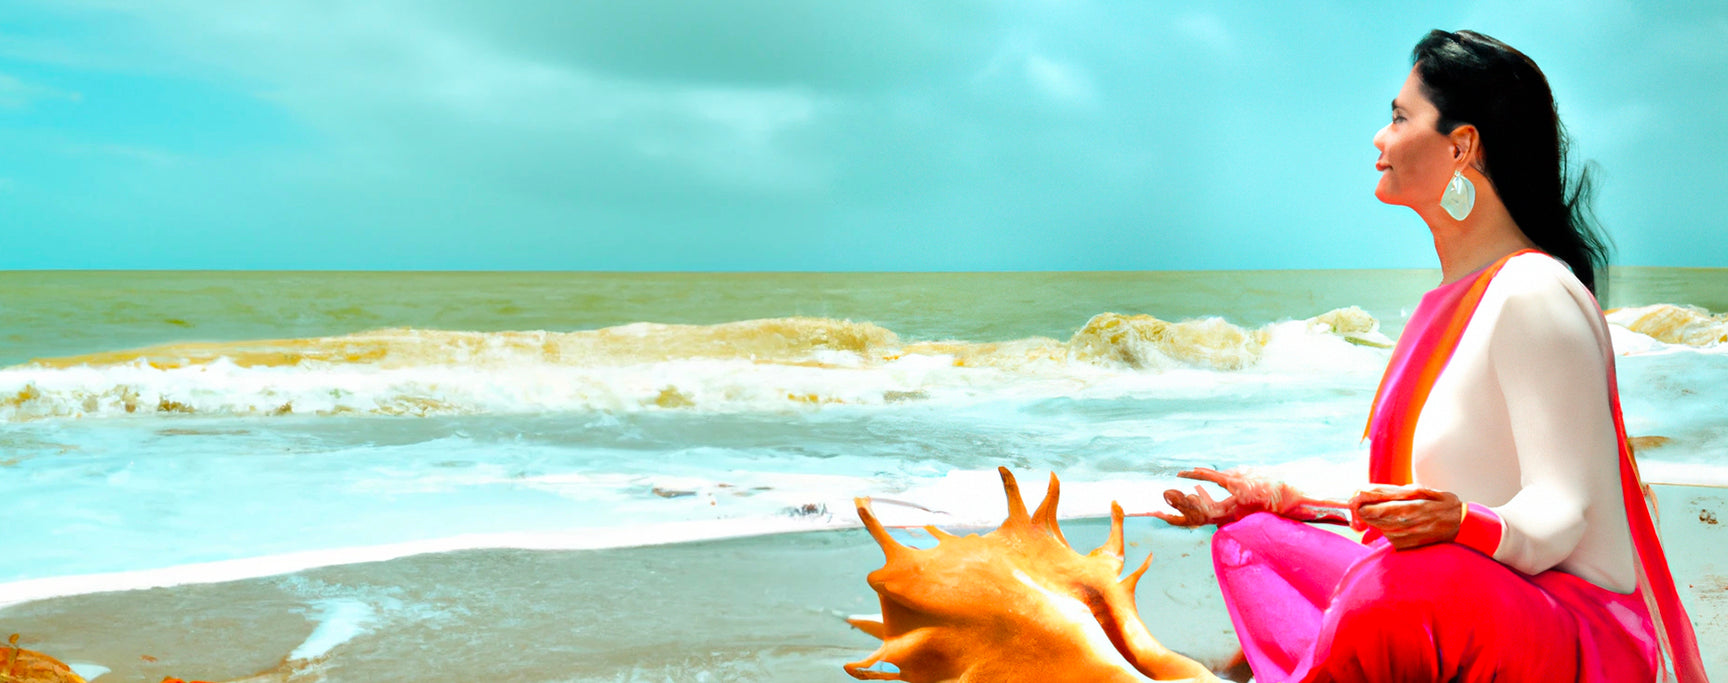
x=611 y=477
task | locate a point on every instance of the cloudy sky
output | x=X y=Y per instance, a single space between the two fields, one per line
x=799 y=135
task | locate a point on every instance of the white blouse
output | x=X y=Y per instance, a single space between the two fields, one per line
x=1520 y=421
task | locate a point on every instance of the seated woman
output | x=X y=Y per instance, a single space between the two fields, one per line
x=1508 y=535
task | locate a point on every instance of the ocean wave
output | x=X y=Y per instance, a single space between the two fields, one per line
x=777 y=339
x=1670 y=324
x=747 y=365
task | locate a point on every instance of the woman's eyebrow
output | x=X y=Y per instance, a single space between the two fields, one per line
x=1395 y=105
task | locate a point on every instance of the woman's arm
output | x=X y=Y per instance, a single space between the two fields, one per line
x=1548 y=357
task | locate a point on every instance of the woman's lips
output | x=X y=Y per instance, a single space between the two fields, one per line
x=1381 y=166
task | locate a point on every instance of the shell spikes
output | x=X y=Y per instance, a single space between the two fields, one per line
x=1014 y=604
x=890 y=547
x=29 y=666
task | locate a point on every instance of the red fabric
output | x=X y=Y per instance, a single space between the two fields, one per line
x=1655 y=581
x=1310 y=605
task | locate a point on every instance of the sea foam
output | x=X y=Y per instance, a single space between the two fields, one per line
x=1670 y=324
x=772 y=364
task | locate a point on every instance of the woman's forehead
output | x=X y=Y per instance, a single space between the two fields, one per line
x=1410 y=96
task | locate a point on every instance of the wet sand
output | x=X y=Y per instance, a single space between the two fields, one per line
x=759 y=609
x=765 y=608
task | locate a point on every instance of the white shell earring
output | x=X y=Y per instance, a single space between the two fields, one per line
x=1459 y=197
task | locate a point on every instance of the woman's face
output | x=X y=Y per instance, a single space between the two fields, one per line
x=1416 y=159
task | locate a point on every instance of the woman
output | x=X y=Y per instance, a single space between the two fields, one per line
x=1508 y=537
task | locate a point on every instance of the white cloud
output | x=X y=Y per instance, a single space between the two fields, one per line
x=752 y=115
x=140 y=153
x=411 y=86
x=13 y=92
x=1062 y=82
x=1208 y=30
x=16 y=93
x=1018 y=65
x=1609 y=128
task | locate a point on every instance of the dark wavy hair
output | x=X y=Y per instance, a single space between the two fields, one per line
x=1477 y=80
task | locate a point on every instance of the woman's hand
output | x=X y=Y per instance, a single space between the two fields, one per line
x=1408 y=516
x=1248 y=494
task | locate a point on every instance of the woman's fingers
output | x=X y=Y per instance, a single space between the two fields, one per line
x=1193 y=509
x=1208 y=474
x=1390 y=514
x=1233 y=482
x=1413 y=523
x=1377 y=496
x=1404 y=513
x=1247 y=494
x=1185 y=510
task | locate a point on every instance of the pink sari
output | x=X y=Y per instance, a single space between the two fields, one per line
x=1310 y=605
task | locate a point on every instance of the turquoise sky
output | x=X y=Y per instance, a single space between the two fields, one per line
x=806 y=135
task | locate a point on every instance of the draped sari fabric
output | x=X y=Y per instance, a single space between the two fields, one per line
x=1309 y=605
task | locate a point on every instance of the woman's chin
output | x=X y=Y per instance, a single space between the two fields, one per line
x=1386 y=196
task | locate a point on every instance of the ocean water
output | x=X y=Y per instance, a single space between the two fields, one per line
x=291 y=450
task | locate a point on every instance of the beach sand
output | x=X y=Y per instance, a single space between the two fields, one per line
x=1694 y=522
x=765 y=608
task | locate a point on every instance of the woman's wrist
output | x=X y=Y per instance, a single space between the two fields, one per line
x=1480 y=529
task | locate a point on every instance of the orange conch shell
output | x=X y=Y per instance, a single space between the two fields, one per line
x=1015 y=604
x=28 y=666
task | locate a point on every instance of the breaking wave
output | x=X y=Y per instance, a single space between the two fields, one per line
x=770 y=364
x=1670 y=324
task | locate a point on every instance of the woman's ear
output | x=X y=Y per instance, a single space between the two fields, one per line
x=1466 y=146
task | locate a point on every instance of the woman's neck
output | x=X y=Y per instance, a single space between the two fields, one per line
x=1479 y=240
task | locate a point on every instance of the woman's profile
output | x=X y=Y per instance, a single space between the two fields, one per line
x=1508 y=536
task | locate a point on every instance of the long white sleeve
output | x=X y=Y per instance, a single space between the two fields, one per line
x=1520 y=421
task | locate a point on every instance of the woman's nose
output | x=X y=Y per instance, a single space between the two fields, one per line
x=1380 y=138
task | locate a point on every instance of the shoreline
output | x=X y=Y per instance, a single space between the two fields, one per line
x=766 y=608
x=762 y=607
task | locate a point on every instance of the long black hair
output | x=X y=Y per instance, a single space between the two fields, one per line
x=1477 y=80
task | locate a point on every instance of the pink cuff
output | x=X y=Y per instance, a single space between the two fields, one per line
x=1480 y=530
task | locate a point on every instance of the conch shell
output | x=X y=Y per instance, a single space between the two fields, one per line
x=18 y=665
x=29 y=666
x=1015 y=604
